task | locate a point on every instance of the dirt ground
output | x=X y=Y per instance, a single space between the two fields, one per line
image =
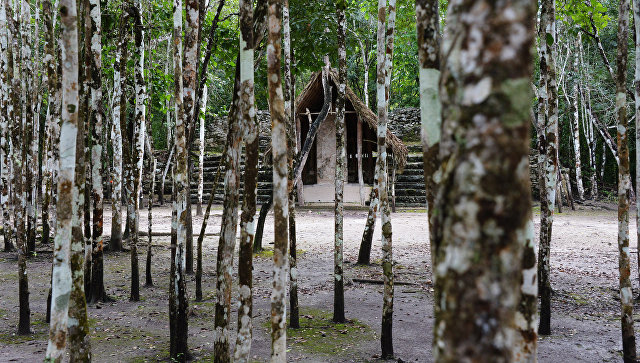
x=585 y=323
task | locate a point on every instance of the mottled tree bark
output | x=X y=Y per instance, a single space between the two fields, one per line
x=61 y=283
x=6 y=116
x=624 y=185
x=250 y=127
x=53 y=123
x=28 y=116
x=119 y=110
x=181 y=187
x=289 y=97
x=280 y=190
x=93 y=31
x=547 y=144
x=428 y=24
x=152 y=186
x=138 y=148
x=483 y=201
x=341 y=161
x=385 y=38
x=575 y=126
x=228 y=229
x=190 y=63
x=201 y=147
x=636 y=89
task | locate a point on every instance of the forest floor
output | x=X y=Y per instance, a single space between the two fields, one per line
x=585 y=322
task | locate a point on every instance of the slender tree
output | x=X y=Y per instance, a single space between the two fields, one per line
x=152 y=186
x=289 y=95
x=138 y=148
x=27 y=78
x=575 y=124
x=428 y=23
x=636 y=88
x=190 y=86
x=483 y=200
x=624 y=186
x=280 y=194
x=341 y=156
x=119 y=103
x=179 y=302
x=61 y=286
x=201 y=147
x=547 y=145
x=385 y=56
x=19 y=181
x=247 y=226
x=53 y=123
x=5 y=104
x=93 y=31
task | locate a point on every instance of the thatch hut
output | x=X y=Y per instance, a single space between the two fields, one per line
x=361 y=125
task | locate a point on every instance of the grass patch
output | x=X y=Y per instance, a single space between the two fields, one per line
x=267 y=253
x=319 y=335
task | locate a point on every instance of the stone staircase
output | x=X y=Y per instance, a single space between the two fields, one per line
x=409 y=188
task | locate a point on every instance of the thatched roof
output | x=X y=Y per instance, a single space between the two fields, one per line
x=314 y=89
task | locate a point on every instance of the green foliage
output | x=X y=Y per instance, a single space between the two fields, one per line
x=583 y=14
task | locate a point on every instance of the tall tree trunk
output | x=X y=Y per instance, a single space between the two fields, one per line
x=428 y=23
x=636 y=89
x=229 y=225
x=138 y=149
x=280 y=192
x=251 y=126
x=152 y=186
x=190 y=63
x=201 y=146
x=5 y=117
x=479 y=246
x=289 y=96
x=28 y=122
x=548 y=145
x=61 y=284
x=14 y=112
x=338 y=273
x=94 y=76
x=383 y=91
x=53 y=122
x=181 y=187
x=576 y=127
x=119 y=110
x=624 y=181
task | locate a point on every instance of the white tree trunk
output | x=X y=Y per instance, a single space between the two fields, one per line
x=201 y=118
x=280 y=194
x=61 y=281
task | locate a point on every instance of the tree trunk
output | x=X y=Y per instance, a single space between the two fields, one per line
x=383 y=91
x=181 y=188
x=28 y=121
x=94 y=32
x=14 y=112
x=624 y=182
x=52 y=123
x=138 y=149
x=548 y=150
x=190 y=64
x=289 y=96
x=428 y=24
x=202 y=117
x=5 y=117
x=119 y=110
x=576 y=127
x=338 y=273
x=61 y=283
x=280 y=192
x=479 y=247
x=250 y=126
x=152 y=187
